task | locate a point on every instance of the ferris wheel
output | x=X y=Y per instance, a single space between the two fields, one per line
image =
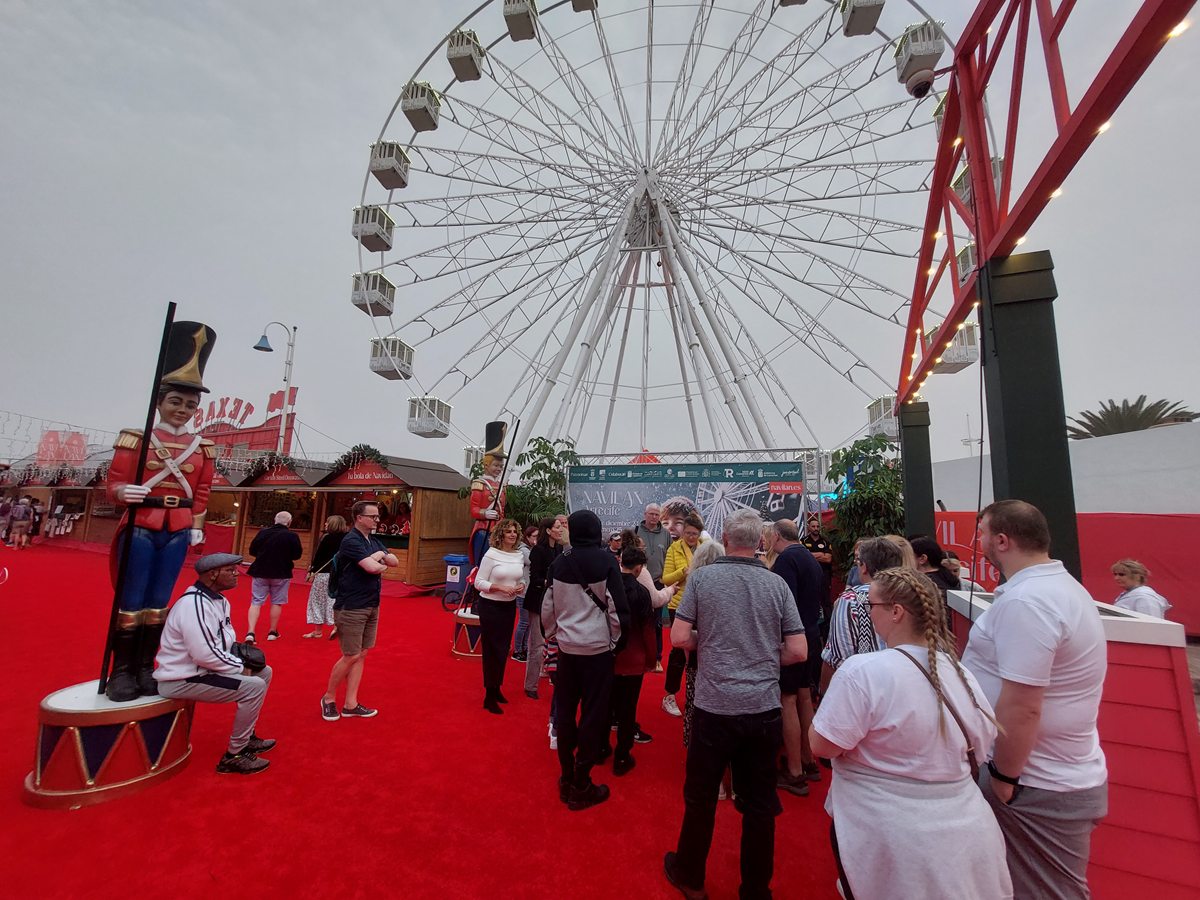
x=639 y=224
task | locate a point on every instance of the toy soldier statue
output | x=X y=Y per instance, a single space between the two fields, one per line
x=166 y=512
x=487 y=495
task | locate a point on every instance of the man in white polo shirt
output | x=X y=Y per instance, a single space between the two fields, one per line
x=1040 y=656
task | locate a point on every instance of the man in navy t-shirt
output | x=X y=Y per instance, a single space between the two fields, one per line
x=361 y=560
x=796 y=565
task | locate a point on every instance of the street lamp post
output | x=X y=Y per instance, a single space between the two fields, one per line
x=265 y=346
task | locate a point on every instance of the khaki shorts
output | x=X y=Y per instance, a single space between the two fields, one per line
x=356 y=629
x=19 y=527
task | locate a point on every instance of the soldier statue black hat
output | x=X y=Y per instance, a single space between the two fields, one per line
x=188 y=349
x=493 y=440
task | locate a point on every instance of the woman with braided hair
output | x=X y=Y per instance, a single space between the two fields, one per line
x=903 y=727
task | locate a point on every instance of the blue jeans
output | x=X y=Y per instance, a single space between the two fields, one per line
x=155 y=560
x=521 y=638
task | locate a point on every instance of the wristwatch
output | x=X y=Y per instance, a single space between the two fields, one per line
x=999 y=776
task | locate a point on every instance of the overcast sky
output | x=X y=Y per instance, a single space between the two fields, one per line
x=210 y=153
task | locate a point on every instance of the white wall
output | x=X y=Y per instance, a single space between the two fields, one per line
x=1154 y=471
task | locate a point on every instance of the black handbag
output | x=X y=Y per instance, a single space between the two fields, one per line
x=252 y=657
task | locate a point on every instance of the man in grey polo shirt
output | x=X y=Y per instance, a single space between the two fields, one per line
x=743 y=622
x=1040 y=656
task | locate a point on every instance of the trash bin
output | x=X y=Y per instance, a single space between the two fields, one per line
x=457 y=570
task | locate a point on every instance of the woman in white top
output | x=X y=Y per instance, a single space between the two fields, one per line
x=499 y=580
x=1137 y=596
x=908 y=819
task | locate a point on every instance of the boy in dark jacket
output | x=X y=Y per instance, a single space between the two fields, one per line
x=584 y=610
x=634 y=661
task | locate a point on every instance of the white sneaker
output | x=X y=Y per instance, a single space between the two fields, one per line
x=553 y=738
x=670 y=706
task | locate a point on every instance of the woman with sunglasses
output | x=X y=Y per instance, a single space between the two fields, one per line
x=904 y=727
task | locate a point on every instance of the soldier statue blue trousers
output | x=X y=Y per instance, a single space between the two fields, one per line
x=155 y=561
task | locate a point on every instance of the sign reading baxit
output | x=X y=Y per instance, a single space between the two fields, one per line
x=619 y=494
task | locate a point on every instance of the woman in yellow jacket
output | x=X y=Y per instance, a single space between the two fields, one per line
x=675 y=571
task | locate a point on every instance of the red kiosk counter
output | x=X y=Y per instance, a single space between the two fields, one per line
x=1149 y=844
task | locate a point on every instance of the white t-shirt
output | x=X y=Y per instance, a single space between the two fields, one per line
x=1144 y=599
x=499 y=567
x=884 y=713
x=1043 y=629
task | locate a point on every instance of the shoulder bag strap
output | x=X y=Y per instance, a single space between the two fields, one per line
x=601 y=605
x=957 y=718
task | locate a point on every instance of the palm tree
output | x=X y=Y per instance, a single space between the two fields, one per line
x=1136 y=416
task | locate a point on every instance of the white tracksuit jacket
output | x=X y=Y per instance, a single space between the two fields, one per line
x=197 y=637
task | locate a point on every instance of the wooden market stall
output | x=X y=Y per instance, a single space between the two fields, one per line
x=422 y=517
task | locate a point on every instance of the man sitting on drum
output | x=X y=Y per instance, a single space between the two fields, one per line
x=196 y=661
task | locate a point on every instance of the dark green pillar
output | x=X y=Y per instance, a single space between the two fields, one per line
x=918 y=468
x=1023 y=383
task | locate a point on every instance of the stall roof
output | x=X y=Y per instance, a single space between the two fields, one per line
x=418 y=473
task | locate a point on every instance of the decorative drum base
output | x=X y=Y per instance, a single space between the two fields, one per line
x=467 y=634
x=91 y=750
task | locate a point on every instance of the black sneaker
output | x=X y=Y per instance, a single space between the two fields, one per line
x=244 y=763
x=329 y=710
x=793 y=784
x=812 y=771
x=250 y=639
x=272 y=635
x=521 y=656
x=622 y=766
x=671 y=871
x=592 y=795
x=260 y=745
x=532 y=695
x=564 y=790
x=360 y=712
x=640 y=737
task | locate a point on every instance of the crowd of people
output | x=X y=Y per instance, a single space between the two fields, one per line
x=989 y=766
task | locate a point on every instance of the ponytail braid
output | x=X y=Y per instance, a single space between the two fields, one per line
x=921 y=599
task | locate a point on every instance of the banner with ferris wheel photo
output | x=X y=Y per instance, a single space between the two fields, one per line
x=619 y=494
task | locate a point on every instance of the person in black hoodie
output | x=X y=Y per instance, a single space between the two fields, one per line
x=584 y=609
x=544 y=552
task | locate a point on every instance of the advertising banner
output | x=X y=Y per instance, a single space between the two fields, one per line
x=619 y=494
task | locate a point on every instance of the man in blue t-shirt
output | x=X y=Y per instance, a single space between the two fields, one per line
x=361 y=560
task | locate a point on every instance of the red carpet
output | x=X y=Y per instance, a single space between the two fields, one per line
x=434 y=798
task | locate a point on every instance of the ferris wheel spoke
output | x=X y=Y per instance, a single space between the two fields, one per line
x=462 y=296
x=498 y=339
x=846 y=278
x=810 y=331
x=552 y=117
x=498 y=171
x=757 y=362
x=535 y=145
x=871 y=231
x=683 y=79
x=588 y=104
x=491 y=211
x=835 y=136
x=614 y=80
x=502 y=243
x=726 y=70
x=784 y=66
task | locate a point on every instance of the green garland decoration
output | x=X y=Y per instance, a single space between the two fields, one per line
x=262 y=464
x=356 y=454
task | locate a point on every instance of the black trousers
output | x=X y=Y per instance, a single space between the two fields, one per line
x=582 y=686
x=623 y=711
x=675 y=663
x=496 y=619
x=749 y=744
